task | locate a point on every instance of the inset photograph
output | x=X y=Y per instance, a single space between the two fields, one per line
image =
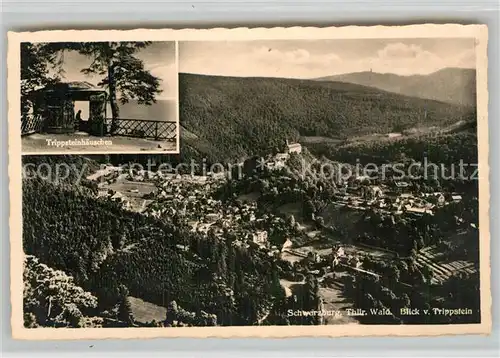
x=99 y=97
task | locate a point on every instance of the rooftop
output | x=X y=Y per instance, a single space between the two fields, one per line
x=79 y=89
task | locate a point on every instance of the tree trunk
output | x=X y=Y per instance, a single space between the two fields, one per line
x=115 y=111
x=49 y=309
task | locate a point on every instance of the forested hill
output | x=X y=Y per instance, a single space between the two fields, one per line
x=108 y=250
x=452 y=85
x=231 y=117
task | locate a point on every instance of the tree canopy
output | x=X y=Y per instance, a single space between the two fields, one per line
x=40 y=66
x=123 y=73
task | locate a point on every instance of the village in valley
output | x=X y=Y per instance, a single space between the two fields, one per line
x=253 y=215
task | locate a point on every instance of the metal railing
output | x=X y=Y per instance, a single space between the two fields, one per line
x=157 y=130
x=31 y=123
x=140 y=128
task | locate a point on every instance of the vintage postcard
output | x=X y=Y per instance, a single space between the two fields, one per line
x=97 y=97
x=329 y=182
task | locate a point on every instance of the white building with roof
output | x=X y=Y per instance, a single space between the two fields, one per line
x=293 y=147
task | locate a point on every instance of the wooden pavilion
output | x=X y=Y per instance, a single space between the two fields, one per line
x=54 y=109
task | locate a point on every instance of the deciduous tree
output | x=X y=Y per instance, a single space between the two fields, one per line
x=51 y=298
x=40 y=66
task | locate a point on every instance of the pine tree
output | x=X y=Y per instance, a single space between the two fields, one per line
x=124 y=308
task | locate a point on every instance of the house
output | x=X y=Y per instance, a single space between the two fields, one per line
x=281 y=157
x=340 y=252
x=102 y=192
x=293 y=147
x=271 y=165
x=341 y=197
x=335 y=262
x=127 y=204
x=260 y=238
x=212 y=217
x=417 y=211
x=118 y=196
x=287 y=244
x=402 y=184
x=439 y=198
x=405 y=197
x=354 y=261
x=372 y=192
x=182 y=247
x=279 y=165
x=314 y=257
x=204 y=227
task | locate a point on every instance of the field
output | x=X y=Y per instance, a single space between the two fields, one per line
x=442 y=270
x=319 y=140
x=249 y=198
x=132 y=188
x=343 y=217
x=102 y=172
x=145 y=312
x=288 y=255
x=133 y=192
x=331 y=297
x=289 y=286
x=333 y=300
x=295 y=209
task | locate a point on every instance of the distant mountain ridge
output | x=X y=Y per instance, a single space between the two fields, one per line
x=451 y=85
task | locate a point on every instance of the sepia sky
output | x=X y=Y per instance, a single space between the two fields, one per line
x=317 y=58
x=159 y=59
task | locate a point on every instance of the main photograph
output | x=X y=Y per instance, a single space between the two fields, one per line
x=324 y=182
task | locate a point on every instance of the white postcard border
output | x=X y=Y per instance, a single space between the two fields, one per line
x=239 y=34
